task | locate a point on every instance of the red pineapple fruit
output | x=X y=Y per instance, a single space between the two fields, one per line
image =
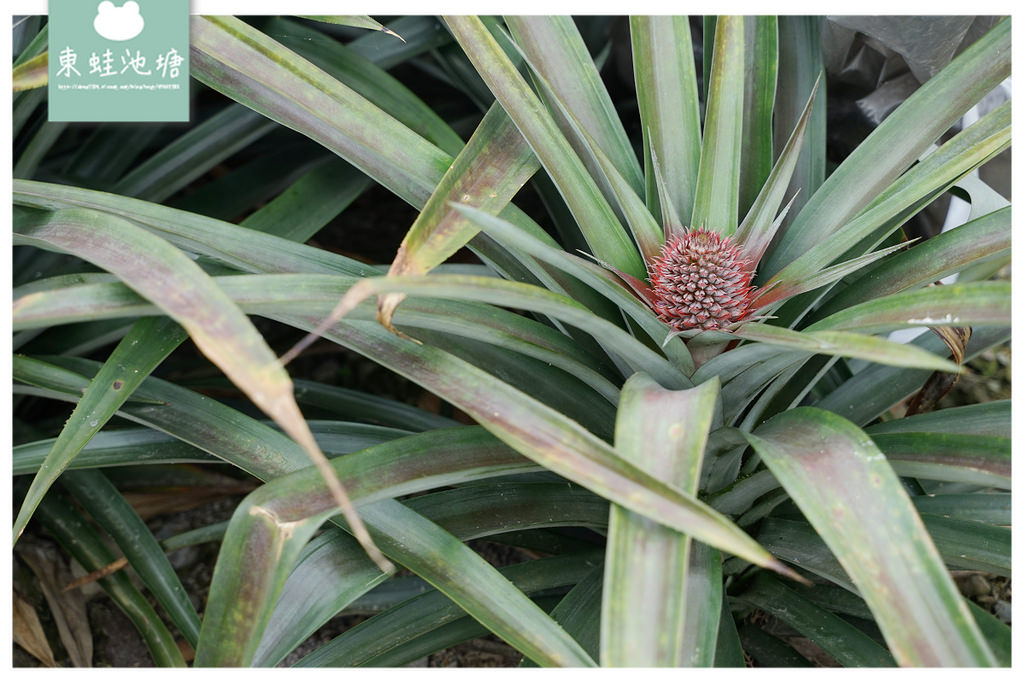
x=701 y=281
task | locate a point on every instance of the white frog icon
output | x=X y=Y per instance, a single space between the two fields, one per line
x=118 y=23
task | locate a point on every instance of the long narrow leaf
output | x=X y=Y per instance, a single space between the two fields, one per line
x=354 y=20
x=516 y=294
x=546 y=436
x=555 y=49
x=487 y=174
x=107 y=507
x=760 y=223
x=387 y=630
x=800 y=68
x=271 y=295
x=273 y=523
x=666 y=90
x=976 y=303
x=862 y=514
x=174 y=282
x=128 y=365
x=243 y=63
x=761 y=60
x=847 y=644
x=929 y=261
x=362 y=74
x=330 y=573
x=595 y=217
x=847 y=344
x=920 y=185
x=899 y=141
x=716 y=202
x=647 y=599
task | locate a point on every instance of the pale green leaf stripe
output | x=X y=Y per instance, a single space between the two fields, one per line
x=935 y=173
x=761 y=61
x=849 y=345
x=646 y=596
x=556 y=51
x=971 y=304
x=666 y=91
x=603 y=232
x=129 y=364
x=716 y=202
x=845 y=487
x=707 y=619
x=546 y=436
x=899 y=141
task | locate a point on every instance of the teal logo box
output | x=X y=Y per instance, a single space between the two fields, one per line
x=120 y=60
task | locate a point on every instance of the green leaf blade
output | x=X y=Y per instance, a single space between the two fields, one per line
x=716 y=203
x=602 y=229
x=901 y=139
x=845 y=487
x=129 y=364
x=666 y=87
x=647 y=599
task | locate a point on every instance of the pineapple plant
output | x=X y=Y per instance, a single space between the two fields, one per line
x=697 y=429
